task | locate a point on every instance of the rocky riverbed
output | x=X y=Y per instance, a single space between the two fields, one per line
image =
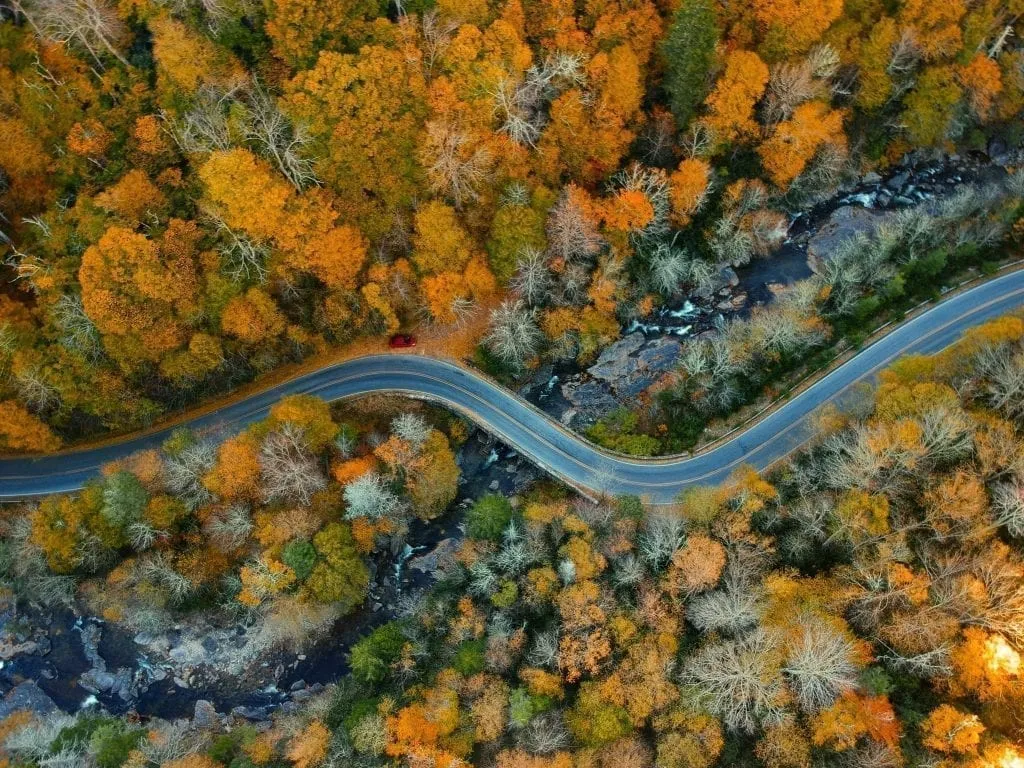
x=208 y=666
x=649 y=349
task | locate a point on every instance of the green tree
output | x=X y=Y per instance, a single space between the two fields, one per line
x=930 y=108
x=688 y=50
x=371 y=657
x=488 y=517
x=124 y=499
x=340 y=576
x=300 y=556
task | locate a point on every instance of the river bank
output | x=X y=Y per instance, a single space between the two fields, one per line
x=645 y=357
x=64 y=658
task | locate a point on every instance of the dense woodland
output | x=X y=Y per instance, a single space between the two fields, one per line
x=274 y=525
x=195 y=192
x=861 y=606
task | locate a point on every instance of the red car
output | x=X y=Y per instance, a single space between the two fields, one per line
x=402 y=341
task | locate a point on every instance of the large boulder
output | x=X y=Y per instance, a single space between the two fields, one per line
x=632 y=364
x=845 y=223
x=26 y=696
x=591 y=399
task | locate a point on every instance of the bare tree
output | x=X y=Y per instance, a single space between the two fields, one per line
x=732 y=608
x=436 y=34
x=628 y=571
x=653 y=183
x=78 y=331
x=33 y=741
x=546 y=734
x=168 y=742
x=731 y=243
x=371 y=496
x=739 y=681
x=532 y=280
x=820 y=665
x=698 y=140
x=1003 y=371
x=664 y=533
x=229 y=528
x=34 y=390
x=345 y=442
x=514 y=335
x=412 y=428
x=456 y=168
x=158 y=570
x=242 y=259
x=184 y=472
x=204 y=127
x=142 y=535
x=92 y=24
x=669 y=268
x=571 y=234
x=215 y=11
x=824 y=61
x=1008 y=505
x=544 y=651
x=8 y=345
x=790 y=85
x=278 y=139
x=521 y=106
x=288 y=469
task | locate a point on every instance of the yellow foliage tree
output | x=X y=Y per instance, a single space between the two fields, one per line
x=730 y=105
x=21 y=431
x=791 y=147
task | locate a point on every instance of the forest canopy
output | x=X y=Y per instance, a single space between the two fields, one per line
x=194 y=192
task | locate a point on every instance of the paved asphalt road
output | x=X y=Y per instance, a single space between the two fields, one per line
x=533 y=433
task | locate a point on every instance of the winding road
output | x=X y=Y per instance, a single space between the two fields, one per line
x=536 y=435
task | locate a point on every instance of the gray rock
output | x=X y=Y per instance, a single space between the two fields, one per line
x=845 y=222
x=494 y=485
x=26 y=696
x=204 y=715
x=630 y=375
x=298 y=685
x=9 y=648
x=96 y=681
x=591 y=398
x=871 y=178
x=726 y=278
x=612 y=356
x=124 y=684
x=255 y=714
x=997 y=148
x=897 y=181
x=91 y=634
